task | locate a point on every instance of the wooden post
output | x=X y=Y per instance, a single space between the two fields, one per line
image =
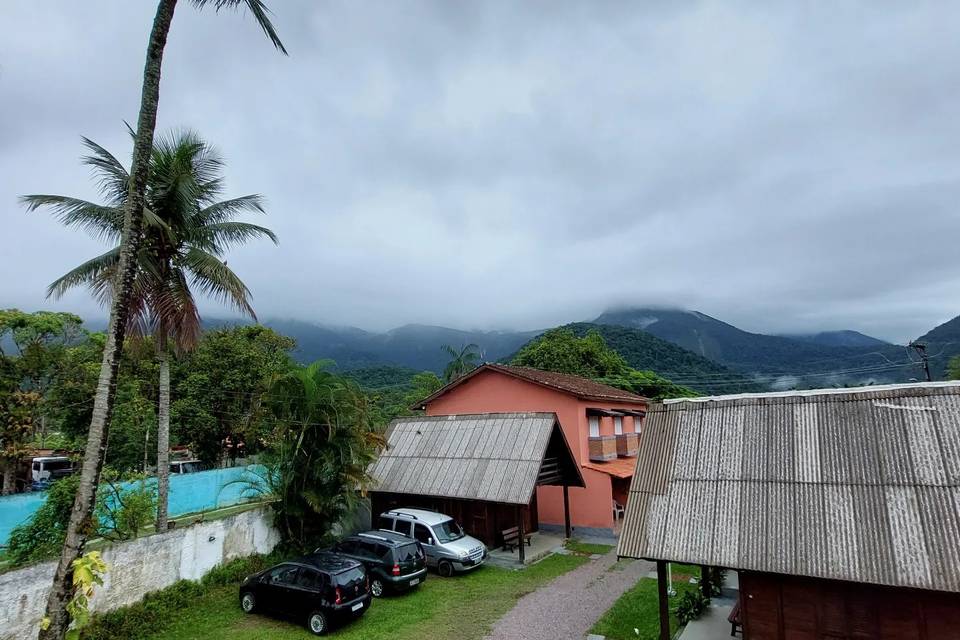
x=705 y=581
x=520 y=541
x=662 y=596
x=566 y=510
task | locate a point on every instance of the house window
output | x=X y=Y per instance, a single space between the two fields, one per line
x=618 y=425
x=594 y=426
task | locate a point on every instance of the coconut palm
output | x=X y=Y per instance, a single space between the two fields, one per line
x=461 y=362
x=187 y=230
x=56 y=619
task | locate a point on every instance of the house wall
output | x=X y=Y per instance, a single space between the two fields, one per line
x=139 y=566
x=493 y=392
x=779 y=607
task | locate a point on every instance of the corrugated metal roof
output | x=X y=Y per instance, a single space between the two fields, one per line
x=858 y=484
x=494 y=456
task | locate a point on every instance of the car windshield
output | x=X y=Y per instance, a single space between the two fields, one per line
x=448 y=531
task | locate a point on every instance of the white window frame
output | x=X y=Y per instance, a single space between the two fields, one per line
x=594 y=422
x=618 y=425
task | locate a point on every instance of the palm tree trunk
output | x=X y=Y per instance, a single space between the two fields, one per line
x=146 y=447
x=163 y=434
x=9 y=476
x=80 y=526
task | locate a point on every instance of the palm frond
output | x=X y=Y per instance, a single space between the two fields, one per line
x=102 y=222
x=175 y=311
x=218 y=237
x=113 y=178
x=227 y=210
x=216 y=280
x=88 y=273
x=260 y=14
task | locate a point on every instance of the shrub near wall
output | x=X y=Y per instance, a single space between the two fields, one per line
x=158 y=609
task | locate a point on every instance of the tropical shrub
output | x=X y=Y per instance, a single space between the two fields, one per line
x=323 y=440
x=690 y=606
x=123 y=509
x=41 y=536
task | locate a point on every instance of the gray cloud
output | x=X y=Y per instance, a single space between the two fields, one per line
x=491 y=164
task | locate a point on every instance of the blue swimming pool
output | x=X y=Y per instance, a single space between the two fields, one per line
x=189 y=493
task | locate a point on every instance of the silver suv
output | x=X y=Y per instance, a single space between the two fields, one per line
x=447 y=548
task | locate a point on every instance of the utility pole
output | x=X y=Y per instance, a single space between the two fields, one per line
x=921 y=348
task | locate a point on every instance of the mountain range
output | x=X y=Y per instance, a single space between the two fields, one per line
x=689 y=347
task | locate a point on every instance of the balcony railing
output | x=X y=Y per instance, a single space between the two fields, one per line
x=602 y=448
x=628 y=444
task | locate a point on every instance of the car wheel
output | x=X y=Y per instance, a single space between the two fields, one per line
x=317 y=623
x=248 y=602
x=376 y=587
x=445 y=569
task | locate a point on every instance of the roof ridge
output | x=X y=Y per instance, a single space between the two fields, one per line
x=808 y=393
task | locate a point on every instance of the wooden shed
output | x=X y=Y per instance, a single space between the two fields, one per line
x=840 y=508
x=483 y=469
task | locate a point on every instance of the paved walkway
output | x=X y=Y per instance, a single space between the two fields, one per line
x=569 y=605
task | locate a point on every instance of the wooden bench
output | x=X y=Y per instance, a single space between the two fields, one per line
x=511 y=538
x=736 y=623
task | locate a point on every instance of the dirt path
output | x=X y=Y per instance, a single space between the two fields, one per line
x=567 y=607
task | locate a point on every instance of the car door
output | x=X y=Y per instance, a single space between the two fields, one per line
x=275 y=588
x=306 y=594
x=424 y=536
x=367 y=554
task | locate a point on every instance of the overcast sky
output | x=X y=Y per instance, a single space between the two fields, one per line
x=521 y=164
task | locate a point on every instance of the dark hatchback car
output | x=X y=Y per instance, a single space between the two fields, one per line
x=320 y=589
x=393 y=561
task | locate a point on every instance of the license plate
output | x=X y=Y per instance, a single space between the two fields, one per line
x=357 y=607
x=415 y=581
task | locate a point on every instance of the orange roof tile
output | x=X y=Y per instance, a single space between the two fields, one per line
x=619 y=468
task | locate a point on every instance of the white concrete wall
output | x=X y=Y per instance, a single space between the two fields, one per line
x=137 y=567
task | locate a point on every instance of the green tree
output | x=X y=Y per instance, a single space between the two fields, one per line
x=17 y=409
x=69 y=401
x=461 y=362
x=220 y=385
x=423 y=385
x=130 y=238
x=648 y=384
x=39 y=339
x=321 y=445
x=562 y=351
x=953 y=368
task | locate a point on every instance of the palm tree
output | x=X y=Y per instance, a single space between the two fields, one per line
x=461 y=362
x=186 y=232
x=322 y=444
x=56 y=619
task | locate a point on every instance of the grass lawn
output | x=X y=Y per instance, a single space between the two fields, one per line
x=586 y=548
x=462 y=607
x=639 y=609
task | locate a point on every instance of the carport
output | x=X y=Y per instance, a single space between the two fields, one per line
x=482 y=470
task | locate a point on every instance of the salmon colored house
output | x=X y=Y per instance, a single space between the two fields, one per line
x=602 y=425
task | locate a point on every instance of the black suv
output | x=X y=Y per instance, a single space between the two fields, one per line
x=319 y=589
x=394 y=562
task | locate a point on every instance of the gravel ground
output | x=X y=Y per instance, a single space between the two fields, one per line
x=568 y=606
